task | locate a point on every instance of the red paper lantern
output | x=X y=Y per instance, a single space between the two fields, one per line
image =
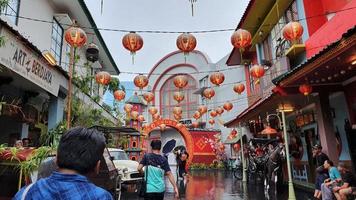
x=219 y=111
x=233 y=132
x=202 y=109
x=119 y=95
x=195 y=124
x=177 y=110
x=132 y=42
x=196 y=115
x=186 y=42
x=156 y=116
x=148 y=96
x=75 y=36
x=141 y=118
x=213 y=113
x=209 y=93
x=103 y=78
x=178 y=96
x=152 y=110
x=305 y=89
x=237 y=147
x=257 y=71
x=239 y=88
x=211 y=121
x=292 y=31
x=180 y=81
x=128 y=108
x=228 y=106
x=217 y=78
x=241 y=39
x=141 y=81
x=134 y=115
x=177 y=117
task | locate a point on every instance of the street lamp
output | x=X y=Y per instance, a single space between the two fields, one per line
x=282 y=123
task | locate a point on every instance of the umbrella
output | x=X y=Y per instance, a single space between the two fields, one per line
x=169 y=146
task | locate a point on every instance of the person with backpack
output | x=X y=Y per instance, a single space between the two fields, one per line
x=156 y=168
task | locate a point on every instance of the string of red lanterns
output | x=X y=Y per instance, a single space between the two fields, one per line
x=228 y=106
x=180 y=81
x=209 y=93
x=141 y=81
x=239 y=88
x=178 y=96
x=119 y=95
x=292 y=31
x=186 y=42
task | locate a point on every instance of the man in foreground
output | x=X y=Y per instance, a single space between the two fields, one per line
x=78 y=154
x=156 y=168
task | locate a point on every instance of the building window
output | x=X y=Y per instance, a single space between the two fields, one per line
x=66 y=59
x=12 y=10
x=189 y=104
x=57 y=41
x=266 y=47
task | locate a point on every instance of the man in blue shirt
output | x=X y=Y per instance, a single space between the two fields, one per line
x=78 y=154
x=156 y=168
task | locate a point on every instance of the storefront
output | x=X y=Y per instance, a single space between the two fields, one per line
x=30 y=94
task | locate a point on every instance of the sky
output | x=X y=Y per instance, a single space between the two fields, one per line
x=165 y=15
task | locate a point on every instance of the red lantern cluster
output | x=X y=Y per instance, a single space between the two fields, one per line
x=257 y=71
x=228 y=106
x=241 y=39
x=141 y=81
x=178 y=96
x=152 y=110
x=196 y=115
x=209 y=93
x=211 y=121
x=180 y=81
x=305 y=89
x=75 y=36
x=119 y=95
x=213 y=113
x=217 y=78
x=292 y=31
x=103 y=78
x=186 y=42
x=177 y=110
x=128 y=108
x=239 y=88
x=148 y=96
x=202 y=109
x=219 y=111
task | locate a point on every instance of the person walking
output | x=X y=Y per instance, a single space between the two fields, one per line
x=156 y=168
x=78 y=154
x=321 y=173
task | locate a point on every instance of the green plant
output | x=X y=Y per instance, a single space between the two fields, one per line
x=51 y=138
x=33 y=162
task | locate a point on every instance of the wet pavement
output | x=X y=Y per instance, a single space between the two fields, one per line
x=216 y=185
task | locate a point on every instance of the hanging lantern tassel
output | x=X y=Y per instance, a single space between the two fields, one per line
x=192 y=4
x=133 y=57
x=102 y=6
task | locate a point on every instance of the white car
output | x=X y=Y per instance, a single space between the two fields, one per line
x=127 y=168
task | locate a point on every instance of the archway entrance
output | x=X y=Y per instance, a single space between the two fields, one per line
x=188 y=139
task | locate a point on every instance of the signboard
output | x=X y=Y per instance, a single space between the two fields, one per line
x=27 y=63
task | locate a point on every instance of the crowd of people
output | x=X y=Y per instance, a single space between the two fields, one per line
x=332 y=182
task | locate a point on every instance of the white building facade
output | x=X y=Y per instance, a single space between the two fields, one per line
x=28 y=82
x=197 y=67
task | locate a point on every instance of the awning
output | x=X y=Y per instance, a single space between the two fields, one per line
x=255 y=105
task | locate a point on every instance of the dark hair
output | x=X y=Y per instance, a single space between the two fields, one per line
x=330 y=162
x=156 y=144
x=80 y=149
x=184 y=152
x=28 y=139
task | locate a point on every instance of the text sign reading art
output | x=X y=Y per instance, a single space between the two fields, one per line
x=27 y=63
